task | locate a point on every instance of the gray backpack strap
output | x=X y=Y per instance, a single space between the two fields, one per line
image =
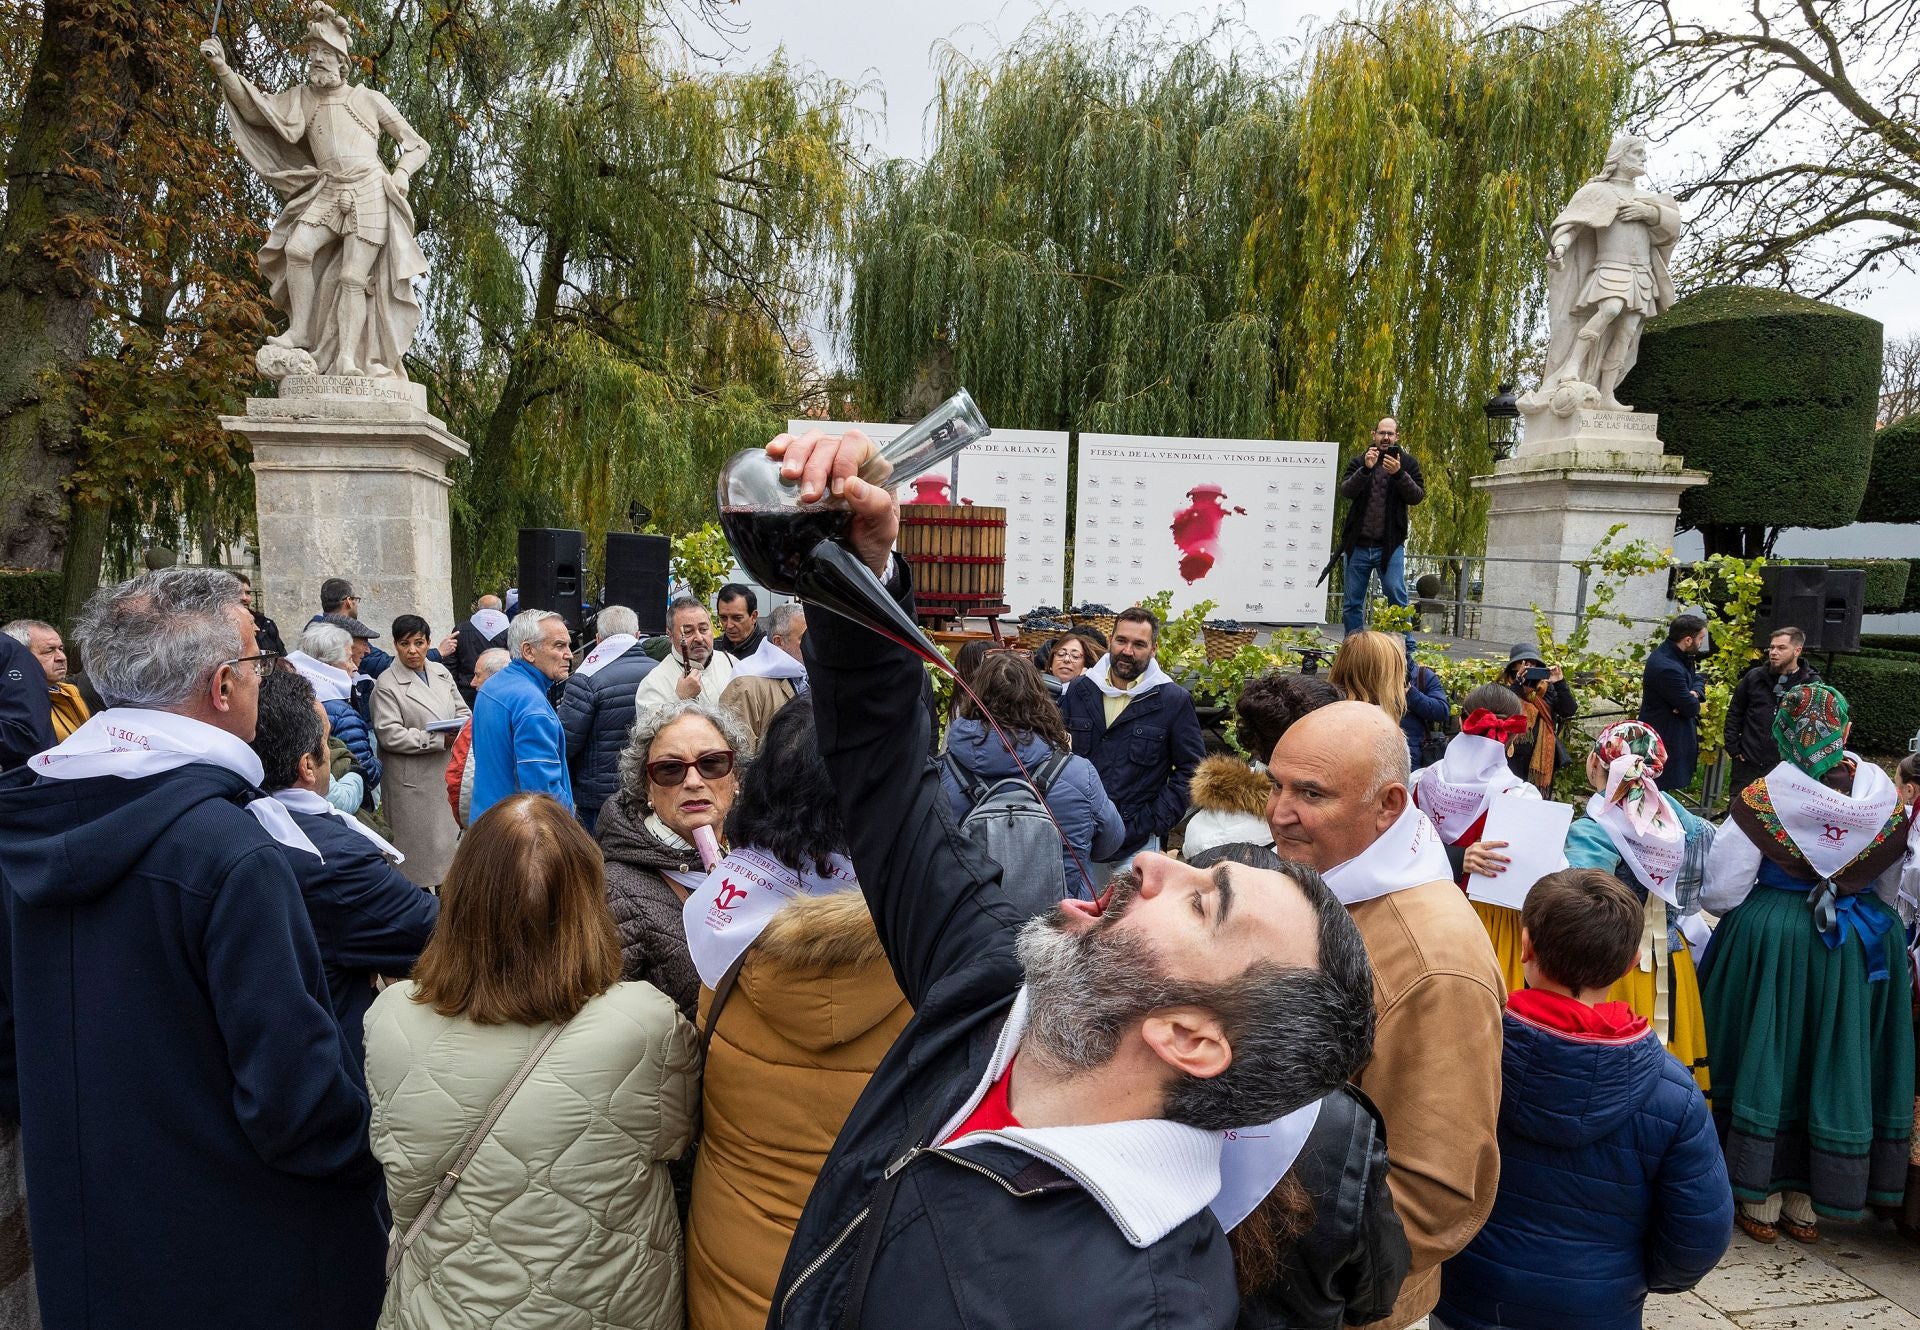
x=1044 y=778
x=397 y=1248
x=972 y=788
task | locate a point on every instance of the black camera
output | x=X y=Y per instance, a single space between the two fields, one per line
x=1535 y=674
x=1391 y=450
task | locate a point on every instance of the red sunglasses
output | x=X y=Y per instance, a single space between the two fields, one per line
x=671 y=771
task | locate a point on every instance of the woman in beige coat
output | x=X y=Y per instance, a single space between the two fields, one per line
x=411 y=694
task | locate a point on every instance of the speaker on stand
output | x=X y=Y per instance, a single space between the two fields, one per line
x=638 y=576
x=1824 y=603
x=552 y=564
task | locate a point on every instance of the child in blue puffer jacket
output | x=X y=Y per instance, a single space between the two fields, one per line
x=1612 y=1185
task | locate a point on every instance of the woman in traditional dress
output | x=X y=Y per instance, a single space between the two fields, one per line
x=1457 y=792
x=1907 y=778
x=1647 y=840
x=1806 y=988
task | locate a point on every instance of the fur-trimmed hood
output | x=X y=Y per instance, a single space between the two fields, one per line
x=1225 y=784
x=817 y=974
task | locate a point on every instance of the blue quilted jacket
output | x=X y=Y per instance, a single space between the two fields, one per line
x=1611 y=1186
x=351 y=729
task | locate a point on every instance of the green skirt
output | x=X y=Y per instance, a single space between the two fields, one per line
x=1812 y=1065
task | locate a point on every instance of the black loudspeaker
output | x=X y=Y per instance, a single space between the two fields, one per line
x=1823 y=603
x=637 y=577
x=551 y=564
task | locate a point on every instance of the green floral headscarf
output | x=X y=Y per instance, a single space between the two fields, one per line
x=1810 y=728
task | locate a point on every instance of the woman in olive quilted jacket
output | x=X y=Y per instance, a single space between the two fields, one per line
x=565 y=1214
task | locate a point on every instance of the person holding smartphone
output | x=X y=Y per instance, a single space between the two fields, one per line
x=1379 y=486
x=1550 y=703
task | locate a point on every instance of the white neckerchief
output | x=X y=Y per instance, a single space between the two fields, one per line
x=489 y=623
x=306 y=801
x=1151 y=678
x=1254 y=1159
x=1406 y=854
x=1457 y=789
x=131 y=742
x=1829 y=828
x=769 y=662
x=330 y=682
x=688 y=881
x=738 y=900
x=605 y=652
x=1654 y=859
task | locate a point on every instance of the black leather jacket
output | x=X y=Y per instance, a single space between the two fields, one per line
x=1346 y=1269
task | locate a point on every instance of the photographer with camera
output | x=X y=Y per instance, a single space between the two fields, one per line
x=1550 y=703
x=1379 y=485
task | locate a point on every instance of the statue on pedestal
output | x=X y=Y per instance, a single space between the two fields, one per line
x=341 y=258
x=1608 y=275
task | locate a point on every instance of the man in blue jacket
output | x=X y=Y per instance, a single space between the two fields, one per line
x=368 y=918
x=598 y=707
x=1040 y=1146
x=1137 y=726
x=1671 y=692
x=26 y=715
x=517 y=740
x=195 y=1146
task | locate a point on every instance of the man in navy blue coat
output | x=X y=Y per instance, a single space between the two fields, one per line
x=1671 y=692
x=26 y=715
x=368 y=918
x=195 y=1146
x=1137 y=726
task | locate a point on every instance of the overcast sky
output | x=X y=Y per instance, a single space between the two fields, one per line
x=889 y=44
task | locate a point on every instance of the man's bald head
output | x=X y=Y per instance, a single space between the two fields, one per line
x=1387 y=431
x=487 y=603
x=1339 y=779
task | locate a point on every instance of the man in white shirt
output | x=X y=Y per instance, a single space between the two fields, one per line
x=692 y=667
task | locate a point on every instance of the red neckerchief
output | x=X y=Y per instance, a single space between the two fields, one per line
x=1608 y=1022
x=991 y=1113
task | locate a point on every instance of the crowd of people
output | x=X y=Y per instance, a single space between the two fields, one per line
x=506 y=978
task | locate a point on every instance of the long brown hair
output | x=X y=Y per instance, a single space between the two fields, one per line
x=525 y=936
x=1012 y=691
x=1372 y=667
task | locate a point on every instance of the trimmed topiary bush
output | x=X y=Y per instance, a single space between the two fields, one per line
x=1883 y=699
x=1887 y=580
x=1893 y=485
x=30 y=596
x=1774 y=394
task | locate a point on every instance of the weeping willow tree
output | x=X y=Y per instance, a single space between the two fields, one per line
x=622 y=244
x=1185 y=235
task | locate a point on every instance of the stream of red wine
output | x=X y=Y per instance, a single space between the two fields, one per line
x=798 y=552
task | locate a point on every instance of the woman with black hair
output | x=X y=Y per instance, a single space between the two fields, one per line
x=799 y=1005
x=410 y=695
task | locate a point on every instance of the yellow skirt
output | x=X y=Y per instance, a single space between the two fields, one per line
x=1686 y=1022
x=1503 y=929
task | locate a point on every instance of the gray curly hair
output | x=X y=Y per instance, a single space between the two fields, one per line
x=647 y=726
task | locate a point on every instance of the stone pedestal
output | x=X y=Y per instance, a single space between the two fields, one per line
x=350 y=480
x=1565 y=487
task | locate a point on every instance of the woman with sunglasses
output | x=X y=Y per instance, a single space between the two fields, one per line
x=680 y=772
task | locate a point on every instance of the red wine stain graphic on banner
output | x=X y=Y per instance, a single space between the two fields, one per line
x=1196 y=530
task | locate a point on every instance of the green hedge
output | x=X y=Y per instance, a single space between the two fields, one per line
x=1893 y=488
x=1883 y=699
x=1774 y=394
x=29 y=596
x=1900 y=644
x=1887 y=580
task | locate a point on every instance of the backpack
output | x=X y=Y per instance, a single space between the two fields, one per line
x=1010 y=823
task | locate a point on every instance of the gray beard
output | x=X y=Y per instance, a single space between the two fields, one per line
x=1085 y=989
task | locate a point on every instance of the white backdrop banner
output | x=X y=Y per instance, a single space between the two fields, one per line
x=1023 y=471
x=1245 y=523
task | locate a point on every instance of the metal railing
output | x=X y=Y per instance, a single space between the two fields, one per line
x=1461 y=589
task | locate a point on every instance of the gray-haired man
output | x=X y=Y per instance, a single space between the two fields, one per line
x=195 y=1146
x=597 y=709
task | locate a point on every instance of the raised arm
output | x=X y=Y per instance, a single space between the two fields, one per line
x=241 y=95
x=935 y=898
